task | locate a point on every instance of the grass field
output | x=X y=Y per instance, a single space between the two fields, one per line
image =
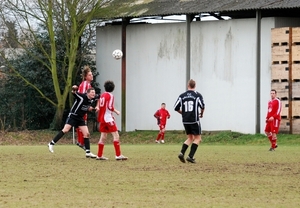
x=226 y=174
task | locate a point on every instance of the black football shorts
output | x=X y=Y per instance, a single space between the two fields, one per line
x=194 y=128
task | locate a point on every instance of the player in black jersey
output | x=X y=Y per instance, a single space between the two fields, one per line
x=75 y=118
x=191 y=106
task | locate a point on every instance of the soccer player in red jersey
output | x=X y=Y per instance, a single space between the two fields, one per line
x=107 y=122
x=273 y=119
x=161 y=115
x=87 y=78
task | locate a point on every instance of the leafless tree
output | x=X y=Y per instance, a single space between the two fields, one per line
x=68 y=18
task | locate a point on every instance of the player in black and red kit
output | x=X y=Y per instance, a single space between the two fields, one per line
x=87 y=78
x=75 y=118
x=191 y=106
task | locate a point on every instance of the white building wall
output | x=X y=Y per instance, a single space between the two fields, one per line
x=109 y=39
x=266 y=61
x=224 y=66
x=223 y=63
x=156 y=73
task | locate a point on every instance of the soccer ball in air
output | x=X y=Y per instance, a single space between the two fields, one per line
x=117 y=54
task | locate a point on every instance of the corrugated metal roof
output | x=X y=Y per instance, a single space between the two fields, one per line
x=144 y=8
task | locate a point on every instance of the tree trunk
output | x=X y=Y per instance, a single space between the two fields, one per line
x=57 y=123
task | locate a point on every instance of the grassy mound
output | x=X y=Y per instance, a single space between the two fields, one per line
x=146 y=137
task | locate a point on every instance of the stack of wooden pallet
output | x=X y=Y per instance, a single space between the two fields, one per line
x=286 y=75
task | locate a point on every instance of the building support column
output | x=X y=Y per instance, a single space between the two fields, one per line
x=258 y=70
x=125 y=22
x=189 y=19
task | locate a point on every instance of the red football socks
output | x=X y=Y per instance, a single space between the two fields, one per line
x=274 y=142
x=162 y=136
x=79 y=136
x=100 y=150
x=158 y=137
x=270 y=138
x=117 y=148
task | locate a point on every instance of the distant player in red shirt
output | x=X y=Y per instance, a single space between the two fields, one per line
x=273 y=119
x=161 y=115
x=87 y=78
x=107 y=122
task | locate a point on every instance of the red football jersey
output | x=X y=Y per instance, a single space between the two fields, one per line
x=274 y=109
x=84 y=86
x=162 y=115
x=106 y=108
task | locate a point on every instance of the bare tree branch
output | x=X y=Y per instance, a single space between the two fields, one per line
x=60 y=18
